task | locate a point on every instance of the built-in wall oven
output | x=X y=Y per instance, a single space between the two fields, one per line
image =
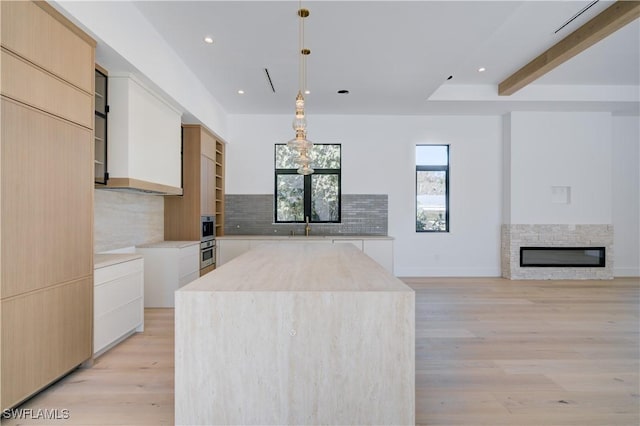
x=207 y=241
x=207 y=228
x=207 y=253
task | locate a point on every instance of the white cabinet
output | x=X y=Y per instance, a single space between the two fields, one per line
x=168 y=265
x=118 y=307
x=144 y=138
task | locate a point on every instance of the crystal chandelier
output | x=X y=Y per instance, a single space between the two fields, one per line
x=301 y=144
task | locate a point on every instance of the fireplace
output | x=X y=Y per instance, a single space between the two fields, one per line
x=547 y=257
x=557 y=251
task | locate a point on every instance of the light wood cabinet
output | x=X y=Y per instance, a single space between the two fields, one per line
x=46 y=206
x=203 y=186
x=41 y=35
x=34 y=86
x=45 y=334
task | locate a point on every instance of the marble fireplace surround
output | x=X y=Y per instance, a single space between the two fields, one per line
x=515 y=236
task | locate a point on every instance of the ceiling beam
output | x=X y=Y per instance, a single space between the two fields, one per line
x=609 y=21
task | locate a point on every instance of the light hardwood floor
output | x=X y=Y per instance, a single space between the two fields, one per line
x=488 y=352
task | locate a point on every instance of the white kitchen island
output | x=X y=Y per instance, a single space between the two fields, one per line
x=296 y=334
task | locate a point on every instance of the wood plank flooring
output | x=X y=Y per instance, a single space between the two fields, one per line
x=488 y=352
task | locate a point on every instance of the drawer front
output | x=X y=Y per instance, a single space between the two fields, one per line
x=26 y=83
x=119 y=270
x=113 y=294
x=116 y=324
x=48 y=40
x=50 y=334
x=189 y=261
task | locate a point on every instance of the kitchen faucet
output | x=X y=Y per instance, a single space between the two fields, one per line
x=307 y=229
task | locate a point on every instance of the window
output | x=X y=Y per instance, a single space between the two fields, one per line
x=316 y=196
x=432 y=188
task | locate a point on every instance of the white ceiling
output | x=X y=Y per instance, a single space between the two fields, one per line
x=391 y=55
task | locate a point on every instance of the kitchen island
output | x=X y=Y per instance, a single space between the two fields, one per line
x=296 y=334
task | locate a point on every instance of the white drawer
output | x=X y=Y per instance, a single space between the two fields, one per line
x=189 y=264
x=113 y=272
x=113 y=294
x=115 y=324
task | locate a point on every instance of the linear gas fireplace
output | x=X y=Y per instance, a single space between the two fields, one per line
x=593 y=257
x=557 y=251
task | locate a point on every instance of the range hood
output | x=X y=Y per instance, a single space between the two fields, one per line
x=144 y=140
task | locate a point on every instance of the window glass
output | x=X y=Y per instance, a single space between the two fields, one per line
x=316 y=196
x=432 y=188
x=290 y=198
x=324 y=196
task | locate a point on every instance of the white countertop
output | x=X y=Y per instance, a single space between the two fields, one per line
x=303 y=237
x=299 y=268
x=101 y=260
x=169 y=244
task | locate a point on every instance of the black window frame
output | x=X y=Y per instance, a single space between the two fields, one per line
x=435 y=168
x=307 y=201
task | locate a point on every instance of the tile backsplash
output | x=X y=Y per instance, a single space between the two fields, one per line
x=124 y=219
x=252 y=214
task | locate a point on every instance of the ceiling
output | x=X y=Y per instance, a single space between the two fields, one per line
x=392 y=56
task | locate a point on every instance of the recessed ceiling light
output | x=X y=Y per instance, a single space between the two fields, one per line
x=343 y=92
x=240 y=92
x=208 y=40
x=307 y=92
x=482 y=69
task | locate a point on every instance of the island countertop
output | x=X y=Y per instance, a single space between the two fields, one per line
x=300 y=267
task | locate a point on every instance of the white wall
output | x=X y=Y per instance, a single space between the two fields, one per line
x=572 y=149
x=626 y=196
x=378 y=158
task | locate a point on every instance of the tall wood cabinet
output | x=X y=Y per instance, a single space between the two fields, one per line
x=46 y=198
x=203 y=186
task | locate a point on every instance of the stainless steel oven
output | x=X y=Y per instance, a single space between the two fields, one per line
x=207 y=228
x=207 y=253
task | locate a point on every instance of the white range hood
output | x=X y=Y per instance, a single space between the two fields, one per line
x=143 y=140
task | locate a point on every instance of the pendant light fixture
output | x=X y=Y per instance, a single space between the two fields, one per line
x=301 y=144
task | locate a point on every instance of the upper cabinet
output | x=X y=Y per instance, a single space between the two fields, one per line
x=101 y=110
x=203 y=157
x=144 y=139
x=50 y=44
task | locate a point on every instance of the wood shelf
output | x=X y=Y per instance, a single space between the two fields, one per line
x=203 y=182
